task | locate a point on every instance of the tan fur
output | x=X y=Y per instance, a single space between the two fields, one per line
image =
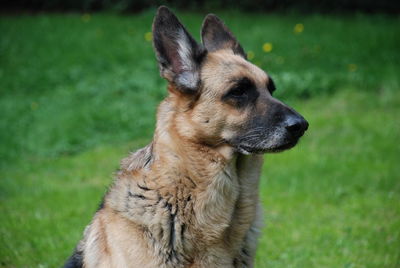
x=188 y=199
x=210 y=191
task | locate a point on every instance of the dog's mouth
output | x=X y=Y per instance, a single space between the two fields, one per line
x=246 y=149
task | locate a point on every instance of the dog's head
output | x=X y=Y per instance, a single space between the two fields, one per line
x=219 y=96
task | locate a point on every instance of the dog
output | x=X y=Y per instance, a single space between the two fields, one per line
x=190 y=197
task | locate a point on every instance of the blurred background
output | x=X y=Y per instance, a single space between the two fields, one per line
x=79 y=85
x=349 y=6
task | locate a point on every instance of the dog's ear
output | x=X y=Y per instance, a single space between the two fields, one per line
x=215 y=36
x=178 y=54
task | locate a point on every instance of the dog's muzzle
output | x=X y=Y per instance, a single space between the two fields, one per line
x=272 y=140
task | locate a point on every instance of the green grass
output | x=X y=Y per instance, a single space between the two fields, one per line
x=78 y=94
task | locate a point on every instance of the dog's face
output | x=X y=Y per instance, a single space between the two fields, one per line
x=223 y=98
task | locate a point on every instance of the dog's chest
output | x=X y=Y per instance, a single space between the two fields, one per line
x=223 y=214
x=215 y=205
x=188 y=220
x=199 y=222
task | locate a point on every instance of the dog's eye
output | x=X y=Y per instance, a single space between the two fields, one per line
x=241 y=88
x=242 y=92
x=238 y=91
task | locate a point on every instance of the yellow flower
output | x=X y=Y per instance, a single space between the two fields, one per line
x=298 y=28
x=86 y=17
x=352 y=67
x=250 y=55
x=267 y=47
x=148 y=36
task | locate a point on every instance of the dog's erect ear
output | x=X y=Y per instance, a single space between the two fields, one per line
x=178 y=54
x=215 y=35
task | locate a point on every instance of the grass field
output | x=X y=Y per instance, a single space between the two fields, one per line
x=78 y=92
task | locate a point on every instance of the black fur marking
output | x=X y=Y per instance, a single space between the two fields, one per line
x=271 y=85
x=235 y=262
x=190 y=179
x=183 y=229
x=144 y=188
x=136 y=195
x=216 y=35
x=241 y=260
x=171 y=226
x=245 y=252
x=75 y=260
x=172 y=255
x=101 y=205
x=172 y=231
x=243 y=92
x=158 y=201
x=147 y=161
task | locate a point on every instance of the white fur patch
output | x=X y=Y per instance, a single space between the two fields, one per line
x=188 y=77
x=185 y=51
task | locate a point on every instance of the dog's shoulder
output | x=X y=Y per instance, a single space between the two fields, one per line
x=139 y=159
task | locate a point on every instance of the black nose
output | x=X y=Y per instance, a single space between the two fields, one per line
x=296 y=125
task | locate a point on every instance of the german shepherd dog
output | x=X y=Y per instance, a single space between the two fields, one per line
x=190 y=197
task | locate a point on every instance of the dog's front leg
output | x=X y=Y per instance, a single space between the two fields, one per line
x=248 y=214
x=247 y=252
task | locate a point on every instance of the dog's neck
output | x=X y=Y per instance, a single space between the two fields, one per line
x=199 y=159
